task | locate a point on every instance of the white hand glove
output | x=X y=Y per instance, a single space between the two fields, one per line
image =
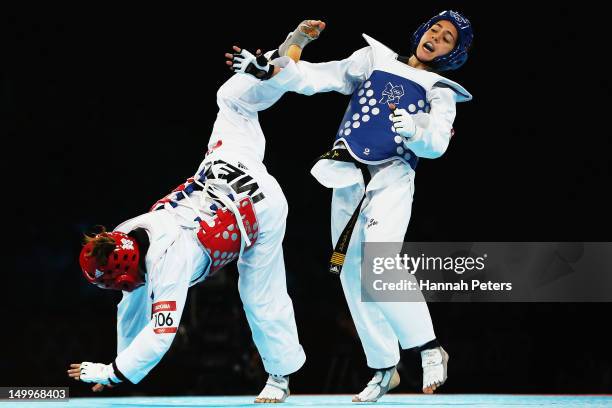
x=404 y=124
x=258 y=66
x=97 y=373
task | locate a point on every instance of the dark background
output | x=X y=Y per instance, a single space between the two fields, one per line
x=105 y=110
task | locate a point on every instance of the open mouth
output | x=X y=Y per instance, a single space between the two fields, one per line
x=429 y=47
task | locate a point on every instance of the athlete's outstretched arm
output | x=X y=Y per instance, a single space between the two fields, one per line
x=246 y=95
x=148 y=346
x=259 y=82
x=301 y=76
x=340 y=76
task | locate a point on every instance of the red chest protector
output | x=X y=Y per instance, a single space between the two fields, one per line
x=222 y=241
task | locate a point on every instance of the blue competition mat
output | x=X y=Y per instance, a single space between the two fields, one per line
x=389 y=401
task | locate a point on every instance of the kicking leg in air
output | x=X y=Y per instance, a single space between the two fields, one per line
x=257 y=85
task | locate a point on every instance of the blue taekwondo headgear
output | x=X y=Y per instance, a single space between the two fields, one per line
x=459 y=54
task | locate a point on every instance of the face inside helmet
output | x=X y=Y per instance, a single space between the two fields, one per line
x=441 y=56
x=439 y=40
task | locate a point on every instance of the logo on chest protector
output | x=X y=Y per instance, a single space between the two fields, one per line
x=392 y=94
x=372 y=223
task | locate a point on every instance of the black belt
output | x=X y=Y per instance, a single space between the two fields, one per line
x=337 y=258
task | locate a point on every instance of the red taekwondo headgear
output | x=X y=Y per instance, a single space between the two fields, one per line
x=120 y=271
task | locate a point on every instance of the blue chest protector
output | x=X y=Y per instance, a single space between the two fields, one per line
x=367 y=128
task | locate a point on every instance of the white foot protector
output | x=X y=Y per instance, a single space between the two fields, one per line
x=275 y=391
x=435 y=366
x=382 y=382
